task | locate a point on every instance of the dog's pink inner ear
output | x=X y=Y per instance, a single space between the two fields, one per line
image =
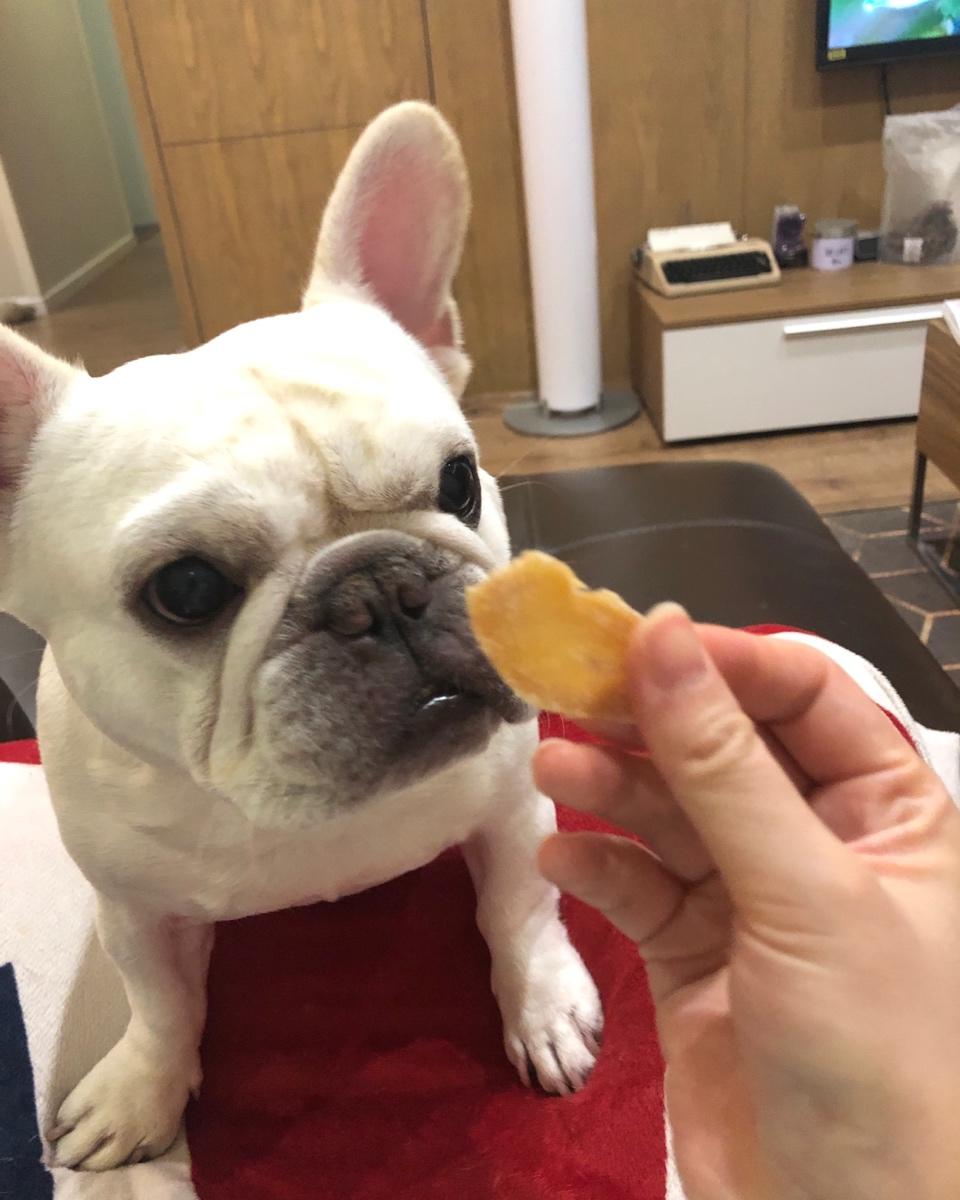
x=31 y=382
x=18 y=380
x=408 y=228
x=393 y=230
x=440 y=332
x=18 y=387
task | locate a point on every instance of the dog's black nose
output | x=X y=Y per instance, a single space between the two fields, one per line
x=365 y=603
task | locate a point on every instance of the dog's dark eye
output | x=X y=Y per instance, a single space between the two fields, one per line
x=460 y=489
x=188 y=592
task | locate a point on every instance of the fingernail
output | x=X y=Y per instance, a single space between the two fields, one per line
x=672 y=654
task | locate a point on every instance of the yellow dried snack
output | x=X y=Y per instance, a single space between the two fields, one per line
x=557 y=644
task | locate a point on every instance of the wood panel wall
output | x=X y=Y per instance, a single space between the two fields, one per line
x=668 y=84
x=701 y=111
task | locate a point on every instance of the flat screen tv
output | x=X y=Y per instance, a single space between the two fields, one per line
x=879 y=31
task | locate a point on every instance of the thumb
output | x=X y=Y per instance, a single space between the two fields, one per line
x=765 y=840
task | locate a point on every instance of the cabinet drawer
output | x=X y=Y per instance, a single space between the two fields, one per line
x=757 y=376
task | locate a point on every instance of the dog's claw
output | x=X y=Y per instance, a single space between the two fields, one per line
x=529 y=1073
x=138 y=1155
x=592 y=1034
x=78 y=1161
x=56 y=1132
x=571 y=1086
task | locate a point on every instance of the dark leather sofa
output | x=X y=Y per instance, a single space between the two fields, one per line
x=736 y=545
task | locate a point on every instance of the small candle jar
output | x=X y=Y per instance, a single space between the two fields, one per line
x=833 y=244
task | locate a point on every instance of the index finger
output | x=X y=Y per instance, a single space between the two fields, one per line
x=699 y=715
x=832 y=730
x=782 y=686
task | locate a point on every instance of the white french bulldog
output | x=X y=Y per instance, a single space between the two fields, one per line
x=261 y=689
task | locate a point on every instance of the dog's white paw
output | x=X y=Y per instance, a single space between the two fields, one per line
x=552 y=1021
x=127 y=1109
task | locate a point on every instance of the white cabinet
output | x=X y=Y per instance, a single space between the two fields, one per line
x=820 y=348
x=792 y=372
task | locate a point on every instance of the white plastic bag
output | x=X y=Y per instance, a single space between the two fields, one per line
x=921 y=202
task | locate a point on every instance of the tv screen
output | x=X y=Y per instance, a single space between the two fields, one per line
x=865 y=31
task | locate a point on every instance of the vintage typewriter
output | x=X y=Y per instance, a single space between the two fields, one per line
x=690 y=259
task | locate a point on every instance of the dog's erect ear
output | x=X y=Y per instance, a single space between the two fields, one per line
x=31 y=384
x=394 y=226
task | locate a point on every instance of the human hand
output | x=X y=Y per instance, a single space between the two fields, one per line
x=799 y=916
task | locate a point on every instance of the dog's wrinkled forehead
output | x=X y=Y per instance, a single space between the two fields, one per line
x=336 y=401
x=283 y=432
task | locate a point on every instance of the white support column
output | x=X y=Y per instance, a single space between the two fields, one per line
x=553 y=105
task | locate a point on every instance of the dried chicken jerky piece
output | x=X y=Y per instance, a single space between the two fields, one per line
x=557 y=644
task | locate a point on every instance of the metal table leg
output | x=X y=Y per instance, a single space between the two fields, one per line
x=924 y=548
x=916 y=502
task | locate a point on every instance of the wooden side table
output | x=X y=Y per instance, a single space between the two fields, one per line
x=938 y=430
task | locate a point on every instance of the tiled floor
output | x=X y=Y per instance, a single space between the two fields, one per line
x=127 y=312
x=876 y=539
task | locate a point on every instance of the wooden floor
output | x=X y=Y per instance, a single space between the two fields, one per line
x=837 y=469
x=130 y=312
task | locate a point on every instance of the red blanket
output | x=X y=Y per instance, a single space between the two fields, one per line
x=353 y=1053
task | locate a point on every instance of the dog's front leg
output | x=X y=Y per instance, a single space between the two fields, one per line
x=552 y=1018
x=129 y=1105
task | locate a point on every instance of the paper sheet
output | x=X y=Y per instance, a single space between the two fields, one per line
x=691 y=237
